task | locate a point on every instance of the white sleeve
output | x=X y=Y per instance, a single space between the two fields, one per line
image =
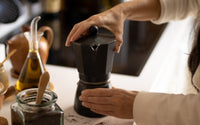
x=177 y=10
x=166 y=109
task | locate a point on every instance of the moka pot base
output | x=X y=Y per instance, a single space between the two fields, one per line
x=77 y=104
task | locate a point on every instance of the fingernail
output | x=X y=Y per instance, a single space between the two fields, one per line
x=83 y=104
x=117 y=49
x=83 y=92
x=81 y=98
x=67 y=43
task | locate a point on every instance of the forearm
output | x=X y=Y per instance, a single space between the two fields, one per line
x=140 y=10
x=113 y=19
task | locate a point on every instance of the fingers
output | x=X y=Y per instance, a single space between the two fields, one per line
x=99 y=92
x=102 y=96
x=68 y=41
x=81 y=29
x=92 y=106
x=100 y=109
x=114 y=102
x=119 y=40
x=103 y=112
x=77 y=31
x=117 y=47
x=97 y=100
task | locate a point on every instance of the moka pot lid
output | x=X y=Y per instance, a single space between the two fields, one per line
x=94 y=55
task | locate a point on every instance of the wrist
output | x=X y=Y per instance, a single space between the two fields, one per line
x=118 y=11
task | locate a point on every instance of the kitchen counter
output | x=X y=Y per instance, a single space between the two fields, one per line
x=175 y=37
x=65 y=81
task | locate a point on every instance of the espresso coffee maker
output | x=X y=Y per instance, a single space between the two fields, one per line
x=94 y=59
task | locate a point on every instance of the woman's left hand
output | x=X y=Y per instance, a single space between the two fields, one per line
x=113 y=102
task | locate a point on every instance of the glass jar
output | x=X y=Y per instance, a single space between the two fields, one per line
x=3 y=80
x=26 y=112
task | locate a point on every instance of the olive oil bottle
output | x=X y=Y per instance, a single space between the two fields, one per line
x=33 y=66
x=31 y=71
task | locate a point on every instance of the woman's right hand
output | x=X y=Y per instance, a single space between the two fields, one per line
x=112 y=20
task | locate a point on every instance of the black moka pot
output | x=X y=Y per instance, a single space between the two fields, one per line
x=94 y=59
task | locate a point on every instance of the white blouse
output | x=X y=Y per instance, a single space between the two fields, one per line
x=169 y=109
x=177 y=10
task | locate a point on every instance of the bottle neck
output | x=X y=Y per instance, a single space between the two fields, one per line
x=33 y=43
x=33 y=46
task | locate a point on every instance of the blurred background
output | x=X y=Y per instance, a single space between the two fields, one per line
x=140 y=38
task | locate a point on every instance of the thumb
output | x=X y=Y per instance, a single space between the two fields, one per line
x=118 y=44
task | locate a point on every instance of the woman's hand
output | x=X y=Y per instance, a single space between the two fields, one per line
x=113 y=102
x=112 y=20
